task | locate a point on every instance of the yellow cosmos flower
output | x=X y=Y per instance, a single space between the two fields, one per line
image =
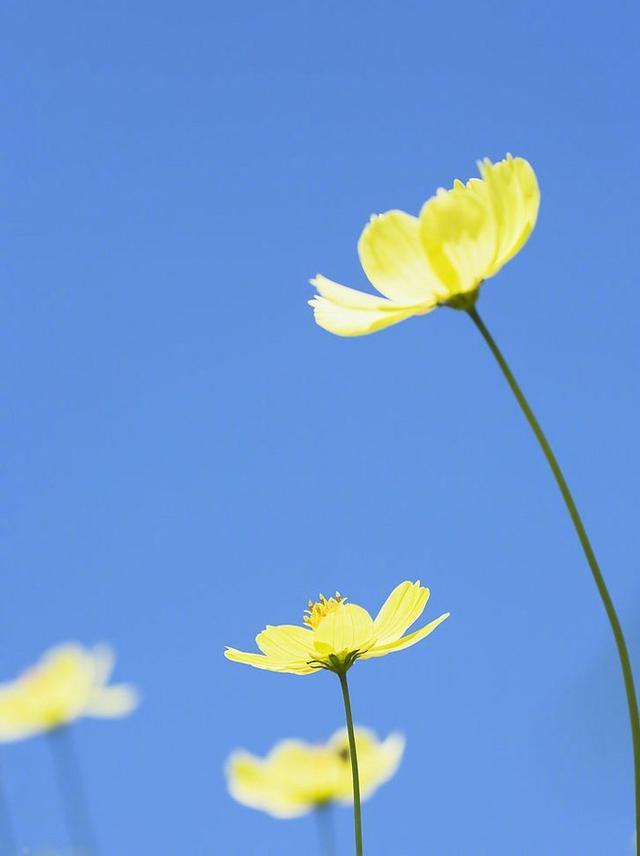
x=463 y=236
x=297 y=777
x=338 y=633
x=69 y=682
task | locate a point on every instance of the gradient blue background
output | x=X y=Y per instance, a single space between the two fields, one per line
x=188 y=457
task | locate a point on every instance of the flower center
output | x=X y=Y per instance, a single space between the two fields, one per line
x=321 y=608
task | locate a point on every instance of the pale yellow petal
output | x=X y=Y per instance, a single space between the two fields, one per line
x=260 y=661
x=289 y=754
x=113 y=702
x=405 y=641
x=393 y=258
x=404 y=605
x=350 y=298
x=348 y=628
x=345 y=321
x=294 y=778
x=458 y=232
x=405 y=276
x=378 y=761
x=68 y=682
x=56 y=690
x=251 y=782
x=515 y=199
x=104 y=660
x=307 y=772
x=286 y=642
x=17 y=718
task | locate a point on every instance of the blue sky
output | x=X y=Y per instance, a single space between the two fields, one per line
x=187 y=457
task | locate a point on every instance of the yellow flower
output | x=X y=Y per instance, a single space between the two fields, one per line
x=339 y=633
x=69 y=682
x=297 y=777
x=462 y=237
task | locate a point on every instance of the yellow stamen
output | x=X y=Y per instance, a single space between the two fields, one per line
x=321 y=608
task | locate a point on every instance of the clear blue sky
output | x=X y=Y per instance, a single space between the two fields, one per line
x=187 y=457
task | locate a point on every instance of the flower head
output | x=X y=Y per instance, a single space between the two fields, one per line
x=68 y=682
x=296 y=777
x=463 y=236
x=339 y=633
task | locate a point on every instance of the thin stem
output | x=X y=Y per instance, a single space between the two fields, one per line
x=353 y=754
x=621 y=644
x=326 y=833
x=72 y=793
x=7 y=830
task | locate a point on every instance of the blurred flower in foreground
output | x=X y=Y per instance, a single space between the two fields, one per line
x=297 y=777
x=463 y=236
x=69 y=682
x=339 y=633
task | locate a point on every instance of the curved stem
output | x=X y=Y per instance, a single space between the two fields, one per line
x=324 y=817
x=621 y=644
x=353 y=754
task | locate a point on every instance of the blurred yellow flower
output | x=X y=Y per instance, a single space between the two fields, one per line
x=68 y=682
x=339 y=633
x=297 y=777
x=463 y=236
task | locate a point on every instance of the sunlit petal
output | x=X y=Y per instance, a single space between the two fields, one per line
x=515 y=199
x=393 y=258
x=346 y=321
x=286 y=642
x=405 y=641
x=459 y=235
x=404 y=605
x=260 y=661
x=348 y=628
x=350 y=298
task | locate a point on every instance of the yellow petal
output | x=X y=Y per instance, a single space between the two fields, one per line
x=459 y=234
x=350 y=298
x=515 y=199
x=260 y=661
x=17 y=719
x=251 y=782
x=346 y=321
x=286 y=643
x=348 y=628
x=307 y=772
x=68 y=682
x=404 y=605
x=405 y=641
x=112 y=702
x=394 y=260
x=103 y=662
x=379 y=763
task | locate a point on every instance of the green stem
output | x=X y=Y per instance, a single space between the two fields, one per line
x=621 y=645
x=324 y=815
x=353 y=754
